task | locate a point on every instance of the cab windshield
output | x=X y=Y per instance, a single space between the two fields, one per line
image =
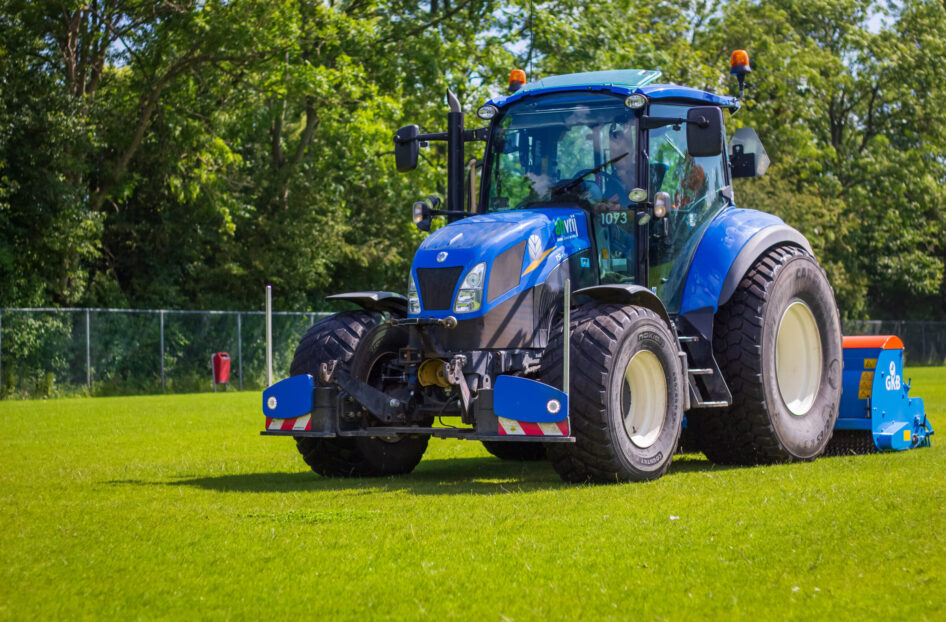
x=575 y=148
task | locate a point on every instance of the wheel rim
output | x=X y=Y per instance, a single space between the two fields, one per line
x=798 y=358
x=644 y=399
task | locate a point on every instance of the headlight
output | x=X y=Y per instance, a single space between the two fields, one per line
x=487 y=112
x=413 y=302
x=470 y=295
x=635 y=101
x=417 y=212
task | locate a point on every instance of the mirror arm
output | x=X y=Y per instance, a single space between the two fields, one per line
x=652 y=123
x=480 y=134
x=468 y=135
x=422 y=138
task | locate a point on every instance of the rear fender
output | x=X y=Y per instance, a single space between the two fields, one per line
x=730 y=246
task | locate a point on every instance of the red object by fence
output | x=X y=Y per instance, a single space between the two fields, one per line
x=221 y=367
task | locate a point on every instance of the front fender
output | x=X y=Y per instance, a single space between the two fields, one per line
x=627 y=294
x=389 y=302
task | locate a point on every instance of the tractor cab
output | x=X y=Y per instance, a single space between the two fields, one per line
x=617 y=147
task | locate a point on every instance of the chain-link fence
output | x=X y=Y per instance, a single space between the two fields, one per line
x=924 y=343
x=53 y=352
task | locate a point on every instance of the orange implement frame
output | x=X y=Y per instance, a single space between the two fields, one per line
x=883 y=342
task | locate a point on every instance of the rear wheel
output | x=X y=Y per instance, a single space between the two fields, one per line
x=362 y=347
x=626 y=399
x=778 y=344
x=523 y=452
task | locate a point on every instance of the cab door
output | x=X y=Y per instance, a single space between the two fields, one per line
x=698 y=191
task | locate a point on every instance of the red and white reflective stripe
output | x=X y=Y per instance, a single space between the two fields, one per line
x=299 y=423
x=511 y=427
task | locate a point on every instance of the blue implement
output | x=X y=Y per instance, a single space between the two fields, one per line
x=875 y=396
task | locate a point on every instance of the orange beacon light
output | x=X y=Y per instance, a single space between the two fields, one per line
x=739 y=62
x=517 y=78
x=739 y=67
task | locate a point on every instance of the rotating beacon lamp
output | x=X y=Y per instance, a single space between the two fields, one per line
x=517 y=78
x=739 y=67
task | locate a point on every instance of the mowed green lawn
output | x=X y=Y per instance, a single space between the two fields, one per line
x=175 y=507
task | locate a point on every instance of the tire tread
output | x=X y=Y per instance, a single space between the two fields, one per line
x=596 y=330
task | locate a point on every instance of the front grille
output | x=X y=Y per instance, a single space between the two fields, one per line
x=436 y=287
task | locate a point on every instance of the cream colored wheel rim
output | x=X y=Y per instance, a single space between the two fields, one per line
x=644 y=399
x=798 y=358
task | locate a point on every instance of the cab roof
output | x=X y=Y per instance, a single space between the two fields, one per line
x=621 y=82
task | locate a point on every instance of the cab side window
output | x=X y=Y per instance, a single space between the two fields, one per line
x=695 y=186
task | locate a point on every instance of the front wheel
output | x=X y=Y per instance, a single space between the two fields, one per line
x=360 y=345
x=626 y=395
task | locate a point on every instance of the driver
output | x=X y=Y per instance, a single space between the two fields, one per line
x=616 y=229
x=622 y=139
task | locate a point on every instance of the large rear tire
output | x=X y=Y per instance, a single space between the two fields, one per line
x=778 y=345
x=359 y=345
x=626 y=398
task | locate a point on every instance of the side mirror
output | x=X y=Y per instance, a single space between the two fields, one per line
x=406 y=148
x=747 y=155
x=705 y=131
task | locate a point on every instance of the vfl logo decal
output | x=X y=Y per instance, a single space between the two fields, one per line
x=441 y=256
x=566 y=228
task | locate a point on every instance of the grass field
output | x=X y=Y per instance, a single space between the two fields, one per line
x=174 y=507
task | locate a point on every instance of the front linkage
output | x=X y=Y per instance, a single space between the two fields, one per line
x=512 y=408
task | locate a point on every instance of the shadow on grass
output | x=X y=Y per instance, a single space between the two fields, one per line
x=447 y=476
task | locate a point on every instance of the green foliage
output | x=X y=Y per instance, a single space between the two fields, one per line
x=158 y=154
x=852 y=122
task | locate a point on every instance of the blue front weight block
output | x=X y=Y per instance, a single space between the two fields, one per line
x=527 y=400
x=289 y=398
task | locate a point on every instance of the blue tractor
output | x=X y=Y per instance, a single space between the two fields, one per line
x=594 y=295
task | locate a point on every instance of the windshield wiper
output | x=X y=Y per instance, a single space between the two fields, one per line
x=567 y=185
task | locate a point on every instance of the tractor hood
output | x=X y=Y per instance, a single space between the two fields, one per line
x=518 y=248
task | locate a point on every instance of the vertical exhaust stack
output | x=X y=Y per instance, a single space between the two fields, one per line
x=455 y=161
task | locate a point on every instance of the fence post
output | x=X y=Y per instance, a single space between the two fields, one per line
x=269 y=335
x=161 y=315
x=88 y=352
x=240 y=348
